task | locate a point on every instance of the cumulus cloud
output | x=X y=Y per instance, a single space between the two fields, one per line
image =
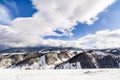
x=52 y=15
x=102 y=39
x=8 y=36
x=55 y=15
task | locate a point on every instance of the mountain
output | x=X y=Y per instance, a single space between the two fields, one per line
x=93 y=59
x=61 y=58
x=35 y=49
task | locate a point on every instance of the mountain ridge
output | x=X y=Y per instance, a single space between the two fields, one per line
x=62 y=59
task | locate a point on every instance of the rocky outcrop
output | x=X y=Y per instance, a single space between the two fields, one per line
x=109 y=61
x=28 y=60
x=8 y=60
x=90 y=60
x=62 y=59
x=84 y=60
x=51 y=58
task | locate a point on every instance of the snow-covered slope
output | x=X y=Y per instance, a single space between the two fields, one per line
x=79 y=74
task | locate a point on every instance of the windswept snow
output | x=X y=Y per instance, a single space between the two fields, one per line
x=79 y=74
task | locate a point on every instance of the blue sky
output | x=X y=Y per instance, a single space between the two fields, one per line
x=42 y=19
x=19 y=8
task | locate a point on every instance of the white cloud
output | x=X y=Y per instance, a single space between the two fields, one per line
x=102 y=39
x=4 y=15
x=53 y=15
x=12 y=4
x=84 y=11
x=9 y=36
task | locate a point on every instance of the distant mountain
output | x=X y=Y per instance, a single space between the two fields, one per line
x=22 y=49
x=35 y=49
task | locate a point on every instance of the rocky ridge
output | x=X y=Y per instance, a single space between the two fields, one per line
x=62 y=59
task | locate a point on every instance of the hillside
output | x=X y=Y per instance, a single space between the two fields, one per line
x=62 y=59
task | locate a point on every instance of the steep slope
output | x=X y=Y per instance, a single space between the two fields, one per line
x=62 y=59
x=40 y=60
x=91 y=60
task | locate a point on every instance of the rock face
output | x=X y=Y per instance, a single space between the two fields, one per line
x=83 y=60
x=91 y=59
x=9 y=60
x=51 y=58
x=63 y=59
x=35 y=60
x=108 y=61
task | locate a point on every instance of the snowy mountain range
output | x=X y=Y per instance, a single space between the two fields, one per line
x=35 y=49
x=59 y=58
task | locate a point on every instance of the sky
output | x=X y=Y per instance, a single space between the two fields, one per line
x=64 y=23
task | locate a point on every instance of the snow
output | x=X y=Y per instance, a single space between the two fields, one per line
x=66 y=66
x=42 y=60
x=78 y=65
x=64 y=59
x=72 y=65
x=74 y=74
x=12 y=53
x=99 y=53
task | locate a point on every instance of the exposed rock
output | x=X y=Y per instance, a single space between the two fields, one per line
x=51 y=58
x=108 y=61
x=91 y=60
x=63 y=59
x=85 y=59
x=5 y=62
